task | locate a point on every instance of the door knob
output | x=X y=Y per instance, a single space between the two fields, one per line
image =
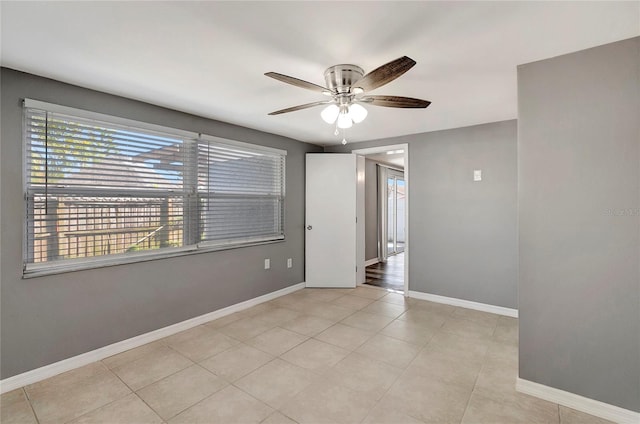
x=309 y=227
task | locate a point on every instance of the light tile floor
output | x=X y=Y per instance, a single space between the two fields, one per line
x=314 y=356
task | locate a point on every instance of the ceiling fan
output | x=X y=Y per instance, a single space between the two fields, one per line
x=347 y=85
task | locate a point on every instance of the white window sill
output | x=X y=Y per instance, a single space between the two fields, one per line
x=41 y=270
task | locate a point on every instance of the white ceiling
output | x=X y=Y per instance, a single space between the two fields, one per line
x=208 y=58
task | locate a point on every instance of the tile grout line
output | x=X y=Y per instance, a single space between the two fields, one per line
x=341 y=347
x=108 y=403
x=215 y=354
x=33 y=411
x=259 y=400
x=281 y=412
x=181 y=411
x=395 y=380
x=206 y=397
x=422 y=348
x=106 y=371
x=131 y=361
x=559 y=415
x=320 y=377
x=149 y=406
x=167 y=376
x=278 y=356
x=475 y=383
x=198 y=402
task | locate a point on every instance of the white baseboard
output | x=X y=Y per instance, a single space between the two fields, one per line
x=500 y=310
x=68 y=364
x=371 y=262
x=577 y=402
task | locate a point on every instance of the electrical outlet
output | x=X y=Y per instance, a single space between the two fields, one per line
x=477 y=175
x=289 y=263
x=267 y=263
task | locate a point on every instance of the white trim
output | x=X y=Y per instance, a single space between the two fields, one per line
x=68 y=364
x=577 y=402
x=73 y=265
x=371 y=262
x=407 y=223
x=500 y=310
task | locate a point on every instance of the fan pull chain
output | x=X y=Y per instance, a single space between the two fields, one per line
x=336 y=132
x=344 y=140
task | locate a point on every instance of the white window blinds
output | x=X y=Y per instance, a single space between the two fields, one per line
x=99 y=190
x=241 y=194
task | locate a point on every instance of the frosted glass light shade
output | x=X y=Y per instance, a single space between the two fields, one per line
x=330 y=113
x=358 y=113
x=344 y=120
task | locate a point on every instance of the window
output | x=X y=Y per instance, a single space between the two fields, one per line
x=241 y=194
x=100 y=189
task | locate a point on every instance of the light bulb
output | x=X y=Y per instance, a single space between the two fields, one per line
x=357 y=112
x=344 y=120
x=330 y=113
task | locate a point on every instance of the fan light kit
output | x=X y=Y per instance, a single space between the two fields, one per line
x=347 y=85
x=345 y=115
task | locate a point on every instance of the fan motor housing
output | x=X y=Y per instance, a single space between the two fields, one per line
x=340 y=78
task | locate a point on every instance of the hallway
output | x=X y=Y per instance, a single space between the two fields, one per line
x=388 y=275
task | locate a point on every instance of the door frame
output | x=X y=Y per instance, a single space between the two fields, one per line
x=407 y=234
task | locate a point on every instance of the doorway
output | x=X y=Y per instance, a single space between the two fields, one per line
x=388 y=274
x=386 y=217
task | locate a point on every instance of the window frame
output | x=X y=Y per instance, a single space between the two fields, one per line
x=33 y=269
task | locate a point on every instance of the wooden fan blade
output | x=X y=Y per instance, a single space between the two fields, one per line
x=396 y=101
x=298 y=82
x=385 y=74
x=300 y=107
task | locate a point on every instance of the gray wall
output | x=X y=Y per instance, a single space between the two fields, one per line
x=370 y=210
x=462 y=234
x=51 y=318
x=579 y=282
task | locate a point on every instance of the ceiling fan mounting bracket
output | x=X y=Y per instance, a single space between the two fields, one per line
x=340 y=78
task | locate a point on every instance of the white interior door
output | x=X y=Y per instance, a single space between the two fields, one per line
x=331 y=251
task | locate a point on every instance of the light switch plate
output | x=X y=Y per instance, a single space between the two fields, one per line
x=477 y=175
x=267 y=263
